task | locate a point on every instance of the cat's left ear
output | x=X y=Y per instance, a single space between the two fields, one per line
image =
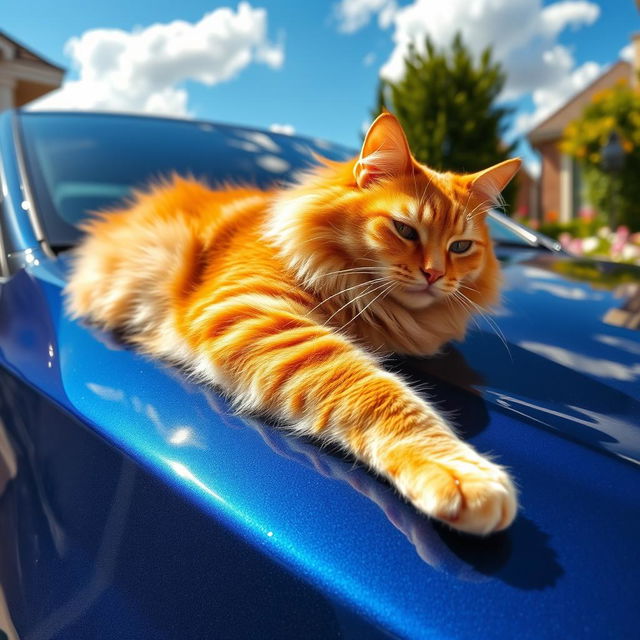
x=490 y=182
x=385 y=152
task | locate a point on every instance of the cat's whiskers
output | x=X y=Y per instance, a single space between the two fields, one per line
x=487 y=204
x=480 y=204
x=423 y=196
x=454 y=298
x=466 y=286
x=364 y=293
x=382 y=293
x=466 y=204
x=354 y=270
x=415 y=188
x=355 y=286
x=489 y=321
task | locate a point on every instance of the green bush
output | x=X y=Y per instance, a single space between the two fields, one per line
x=578 y=228
x=612 y=110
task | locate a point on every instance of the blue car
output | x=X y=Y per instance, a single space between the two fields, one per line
x=135 y=505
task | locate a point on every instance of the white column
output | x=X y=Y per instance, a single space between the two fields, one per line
x=566 y=188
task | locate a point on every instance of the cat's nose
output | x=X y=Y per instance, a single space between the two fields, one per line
x=432 y=275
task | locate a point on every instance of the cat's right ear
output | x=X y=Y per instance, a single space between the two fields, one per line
x=385 y=152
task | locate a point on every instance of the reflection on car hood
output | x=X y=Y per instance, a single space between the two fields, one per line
x=563 y=351
x=553 y=393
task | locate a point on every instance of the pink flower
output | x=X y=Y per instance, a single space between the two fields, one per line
x=587 y=213
x=621 y=237
x=575 y=246
x=622 y=231
x=565 y=239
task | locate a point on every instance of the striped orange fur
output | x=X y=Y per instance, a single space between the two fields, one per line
x=283 y=299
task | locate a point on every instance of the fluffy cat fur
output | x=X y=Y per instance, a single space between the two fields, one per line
x=284 y=299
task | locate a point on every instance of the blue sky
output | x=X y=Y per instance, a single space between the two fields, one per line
x=310 y=65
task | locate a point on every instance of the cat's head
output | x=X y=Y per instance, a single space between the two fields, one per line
x=392 y=226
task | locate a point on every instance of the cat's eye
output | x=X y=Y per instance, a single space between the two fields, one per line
x=405 y=231
x=460 y=246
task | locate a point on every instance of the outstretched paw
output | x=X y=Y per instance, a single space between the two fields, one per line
x=474 y=495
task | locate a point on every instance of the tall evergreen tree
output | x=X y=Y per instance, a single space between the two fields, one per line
x=446 y=102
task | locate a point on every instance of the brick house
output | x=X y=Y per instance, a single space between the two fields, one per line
x=560 y=188
x=526 y=204
x=24 y=75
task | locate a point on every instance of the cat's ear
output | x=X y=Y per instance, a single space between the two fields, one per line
x=385 y=152
x=490 y=182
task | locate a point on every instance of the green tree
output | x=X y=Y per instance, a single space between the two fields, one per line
x=613 y=110
x=447 y=103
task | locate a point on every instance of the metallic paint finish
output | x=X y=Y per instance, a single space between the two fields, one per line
x=89 y=419
x=133 y=504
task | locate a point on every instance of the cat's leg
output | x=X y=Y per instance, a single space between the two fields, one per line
x=280 y=362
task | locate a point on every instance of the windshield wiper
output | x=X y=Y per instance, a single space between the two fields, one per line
x=511 y=244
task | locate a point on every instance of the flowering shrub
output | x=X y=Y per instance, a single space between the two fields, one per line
x=582 y=227
x=616 y=109
x=620 y=245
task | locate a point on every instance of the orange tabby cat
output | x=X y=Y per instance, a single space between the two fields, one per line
x=284 y=298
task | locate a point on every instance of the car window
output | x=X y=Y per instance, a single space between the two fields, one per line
x=82 y=163
x=79 y=163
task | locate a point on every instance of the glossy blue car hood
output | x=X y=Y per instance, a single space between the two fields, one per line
x=553 y=392
x=560 y=351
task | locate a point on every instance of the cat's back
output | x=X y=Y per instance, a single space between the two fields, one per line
x=180 y=200
x=131 y=259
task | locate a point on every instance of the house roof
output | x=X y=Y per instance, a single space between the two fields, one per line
x=552 y=127
x=24 y=53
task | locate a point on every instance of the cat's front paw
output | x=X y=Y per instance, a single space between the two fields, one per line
x=470 y=494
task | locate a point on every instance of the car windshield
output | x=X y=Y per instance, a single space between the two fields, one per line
x=81 y=163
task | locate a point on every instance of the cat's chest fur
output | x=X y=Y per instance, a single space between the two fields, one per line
x=392 y=329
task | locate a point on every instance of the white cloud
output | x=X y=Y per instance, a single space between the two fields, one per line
x=523 y=35
x=142 y=70
x=549 y=98
x=568 y=13
x=286 y=129
x=352 y=15
x=626 y=53
x=369 y=59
